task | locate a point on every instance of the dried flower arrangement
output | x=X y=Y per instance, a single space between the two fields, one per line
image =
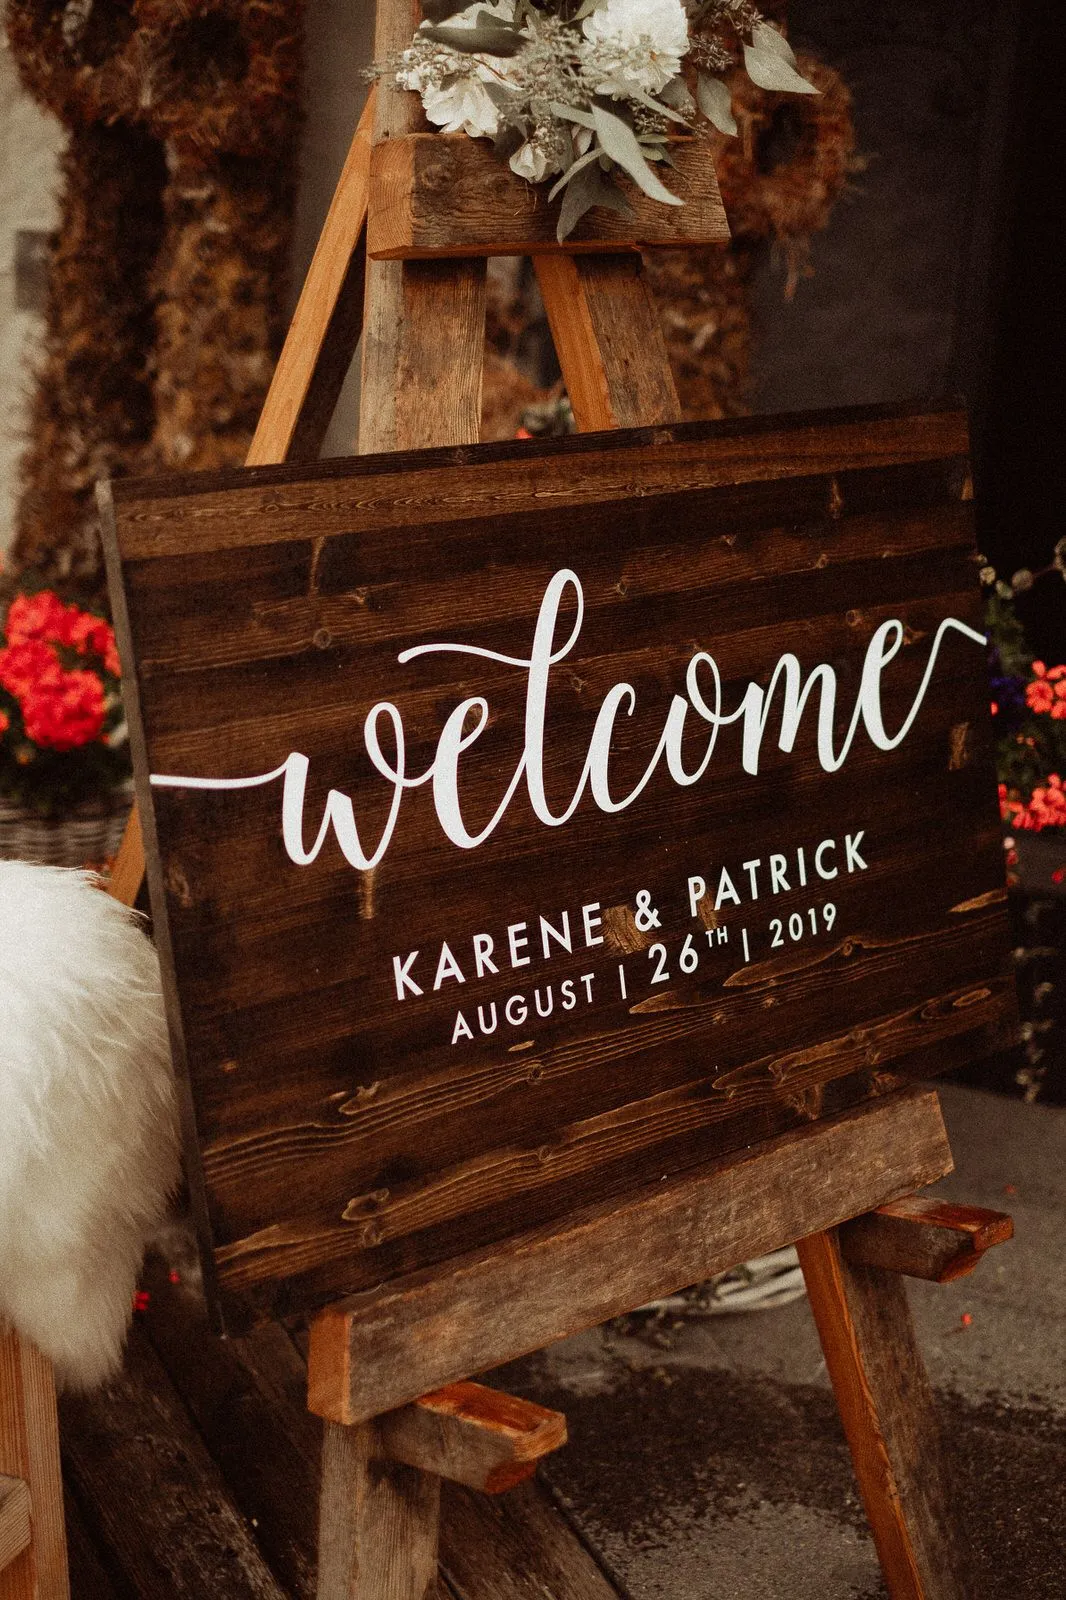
x=62 y=729
x=587 y=91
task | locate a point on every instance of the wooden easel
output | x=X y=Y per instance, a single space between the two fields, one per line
x=377 y=1361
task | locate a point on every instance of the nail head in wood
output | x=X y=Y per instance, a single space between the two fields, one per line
x=472 y=1435
x=924 y=1238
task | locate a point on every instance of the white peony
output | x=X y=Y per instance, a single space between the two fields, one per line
x=636 y=43
x=465 y=106
x=532 y=162
x=462 y=104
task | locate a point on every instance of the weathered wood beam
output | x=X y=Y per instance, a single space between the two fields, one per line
x=609 y=340
x=388 y=1346
x=436 y=195
x=472 y=1435
x=155 y=1498
x=424 y=325
x=29 y=1452
x=889 y=1418
x=378 y=1522
x=14 y=1520
x=924 y=1238
x=247 y=1397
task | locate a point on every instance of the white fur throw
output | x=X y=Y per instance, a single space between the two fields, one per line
x=88 y=1141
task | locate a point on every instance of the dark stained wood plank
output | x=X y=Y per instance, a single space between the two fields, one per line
x=353 y=1126
x=515 y=1547
x=889 y=1417
x=445 y=195
x=89 y=1579
x=385 y=1347
x=205 y=512
x=923 y=1237
x=248 y=1398
x=141 y=1472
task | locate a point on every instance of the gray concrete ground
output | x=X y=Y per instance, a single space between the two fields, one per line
x=713 y=1467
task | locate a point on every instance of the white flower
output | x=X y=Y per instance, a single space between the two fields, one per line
x=532 y=162
x=636 y=43
x=456 y=99
x=464 y=106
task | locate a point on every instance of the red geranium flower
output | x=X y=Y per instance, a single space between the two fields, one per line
x=92 y=635
x=37 y=616
x=29 y=665
x=66 y=715
x=1046 y=695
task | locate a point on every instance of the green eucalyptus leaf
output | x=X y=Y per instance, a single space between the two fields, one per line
x=677 y=94
x=768 y=70
x=583 y=119
x=502 y=97
x=716 y=103
x=766 y=37
x=572 y=171
x=589 y=188
x=496 y=40
x=621 y=144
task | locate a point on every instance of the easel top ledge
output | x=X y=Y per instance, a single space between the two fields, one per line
x=945 y=435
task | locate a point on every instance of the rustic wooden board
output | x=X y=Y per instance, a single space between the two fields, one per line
x=435 y=194
x=340 y=1138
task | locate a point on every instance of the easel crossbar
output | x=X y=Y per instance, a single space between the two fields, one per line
x=386 y=1347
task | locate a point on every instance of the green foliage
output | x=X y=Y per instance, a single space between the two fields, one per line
x=584 y=92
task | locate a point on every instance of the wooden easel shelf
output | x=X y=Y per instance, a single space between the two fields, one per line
x=444 y=195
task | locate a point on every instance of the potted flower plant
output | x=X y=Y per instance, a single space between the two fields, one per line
x=64 y=756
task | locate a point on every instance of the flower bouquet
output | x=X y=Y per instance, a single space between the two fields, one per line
x=63 y=746
x=1029 y=709
x=585 y=92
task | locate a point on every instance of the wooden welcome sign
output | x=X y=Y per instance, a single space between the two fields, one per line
x=528 y=822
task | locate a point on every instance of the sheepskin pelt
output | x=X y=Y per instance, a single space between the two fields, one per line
x=88 y=1138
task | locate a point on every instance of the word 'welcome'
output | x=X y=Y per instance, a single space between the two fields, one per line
x=702 y=700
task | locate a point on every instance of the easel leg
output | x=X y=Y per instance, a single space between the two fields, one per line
x=608 y=339
x=889 y=1417
x=29 y=1451
x=378 y=1522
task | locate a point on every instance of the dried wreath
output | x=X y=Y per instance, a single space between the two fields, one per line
x=584 y=91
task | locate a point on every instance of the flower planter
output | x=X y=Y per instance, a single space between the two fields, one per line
x=86 y=836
